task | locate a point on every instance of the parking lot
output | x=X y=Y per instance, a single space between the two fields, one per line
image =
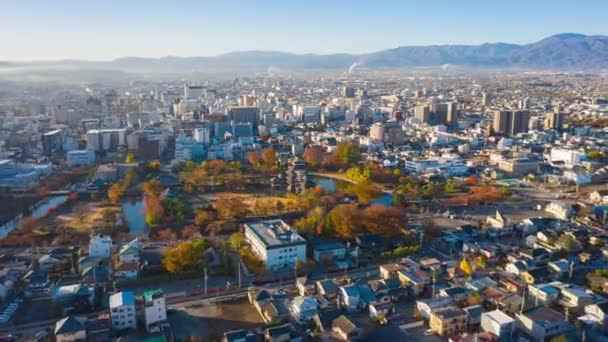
x=210 y=320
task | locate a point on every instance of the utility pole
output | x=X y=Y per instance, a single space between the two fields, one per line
x=523 y=299
x=206 y=280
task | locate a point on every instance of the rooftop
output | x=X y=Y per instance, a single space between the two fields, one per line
x=122 y=298
x=499 y=317
x=150 y=295
x=275 y=233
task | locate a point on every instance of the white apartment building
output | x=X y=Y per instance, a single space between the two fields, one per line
x=100 y=246
x=122 y=311
x=155 y=308
x=100 y=140
x=568 y=157
x=276 y=243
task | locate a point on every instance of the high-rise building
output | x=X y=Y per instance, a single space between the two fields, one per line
x=348 y=92
x=486 y=99
x=247 y=101
x=52 y=142
x=554 y=120
x=308 y=114
x=101 y=140
x=437 y=113
x=389 y=132
x=423 y=113
x=511 y=122
x=193 y=91
x=244 y=114
x=376 y=132
x=452 y=112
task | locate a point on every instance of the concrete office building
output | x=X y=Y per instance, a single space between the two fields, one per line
x=511 y=122
x=244 y=114
x=193 y=91
x=102 y=140
x=437 y=113
x=52 y=142
x=554 y=120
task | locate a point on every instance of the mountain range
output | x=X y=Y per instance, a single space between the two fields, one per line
x=562 y=51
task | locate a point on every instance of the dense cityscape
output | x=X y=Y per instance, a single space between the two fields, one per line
x=424 y=193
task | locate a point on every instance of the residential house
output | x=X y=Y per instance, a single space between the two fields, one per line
x=240 y=335
x=457 y=293
x=49 y=263
x=414 y=280
x=122 y=311
x=345 y=330
x=517 y=268
x=599 y=196
x=499 y=324
x=281 y=333
x=304 y=308
x=389 y=270
x=126 y=270
x=304 y=287
x=562 y=211
x=272 y=307
x=448 y=321
x=378 y=311
x=599 y=311
x=543 y=323
x=543 y=293
x=100 y=246
x=355 y=296
x=536 y=276
x=327 y=288
x=474 y=316
x=427 y=306
x=327 y=252
x=70 y=329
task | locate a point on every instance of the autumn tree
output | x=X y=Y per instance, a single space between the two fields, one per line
x=236 y=240
x=115 y=192
x=365 y=191
x=165 y=235
x=153 y=209
x=254 y=158
x=347 y=153
x=307 y=225
x=190 y=231
x=203 y=217
x=342 y=220
x=451 y=186
x=186 y=256
x=383 y=220
x=130 y=158
x=230 y=207
x=153 y=188
x=313 y=156
x=269 y=156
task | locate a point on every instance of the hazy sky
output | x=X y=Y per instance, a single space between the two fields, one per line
x=106 y=29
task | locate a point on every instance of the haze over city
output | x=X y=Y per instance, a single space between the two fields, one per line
x=102 y=30
x=294 y=171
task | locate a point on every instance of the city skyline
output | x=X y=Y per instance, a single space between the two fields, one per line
x=104 y=31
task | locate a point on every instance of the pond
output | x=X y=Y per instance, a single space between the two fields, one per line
x=43 y=207
x=133 y=212
x=331 y=185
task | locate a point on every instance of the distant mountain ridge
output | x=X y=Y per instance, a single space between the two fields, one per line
x=561 y=51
